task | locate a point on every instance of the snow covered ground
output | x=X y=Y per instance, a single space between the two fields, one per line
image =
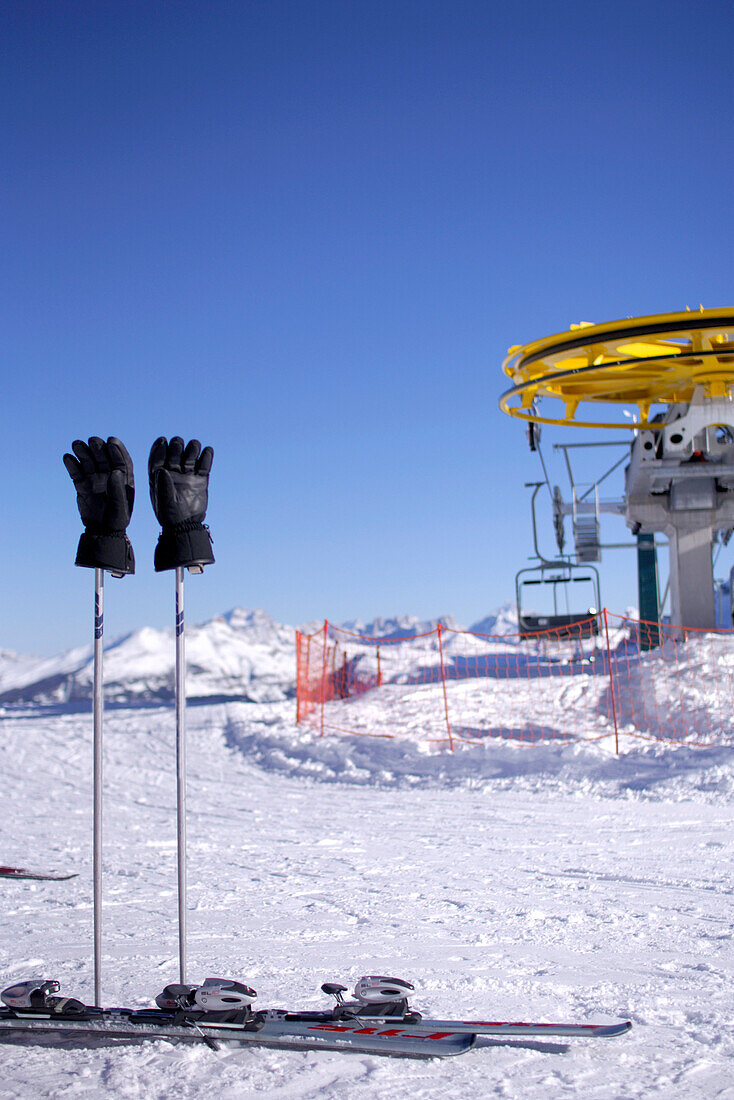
x=554 y=882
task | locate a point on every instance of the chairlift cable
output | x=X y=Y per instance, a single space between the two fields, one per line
x=545 y=471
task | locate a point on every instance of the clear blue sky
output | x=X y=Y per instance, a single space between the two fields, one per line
x=306 y=233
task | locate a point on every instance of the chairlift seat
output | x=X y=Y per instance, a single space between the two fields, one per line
x=559 y=627
x=555 y=625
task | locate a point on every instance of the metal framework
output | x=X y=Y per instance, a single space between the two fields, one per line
x=680 y=474
x=642 y=361
x=562 y=574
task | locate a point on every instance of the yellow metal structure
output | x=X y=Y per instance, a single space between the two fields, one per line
x=640 y=361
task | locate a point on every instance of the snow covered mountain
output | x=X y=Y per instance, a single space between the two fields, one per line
x=241 y=655
x=18 y=670
x=398 y=626
x=503 y=621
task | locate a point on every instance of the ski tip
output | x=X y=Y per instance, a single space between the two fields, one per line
x=40 y=876
x=609 y=1030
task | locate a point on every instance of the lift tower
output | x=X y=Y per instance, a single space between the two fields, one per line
x=677 y=370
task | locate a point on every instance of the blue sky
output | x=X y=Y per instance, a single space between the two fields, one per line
x=307 y=233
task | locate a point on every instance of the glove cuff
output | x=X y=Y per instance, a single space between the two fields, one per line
x=112 y=551
x=185 y=544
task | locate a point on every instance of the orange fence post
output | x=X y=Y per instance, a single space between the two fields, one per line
x=611 y=682
x=299 y=674
x=304 y=693
x=323 y=673
x=439 y=629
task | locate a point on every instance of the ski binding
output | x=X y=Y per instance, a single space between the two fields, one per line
x=215 y=995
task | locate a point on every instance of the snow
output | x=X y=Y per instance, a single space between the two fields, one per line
x=551 y=882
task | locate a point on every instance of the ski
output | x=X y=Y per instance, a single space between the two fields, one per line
x=219 y=1011
x=41 y=876
x=385 y=1000
x=271 y=1029
x=502 y=1027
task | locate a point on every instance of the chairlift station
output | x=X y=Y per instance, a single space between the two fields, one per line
x=676 y=371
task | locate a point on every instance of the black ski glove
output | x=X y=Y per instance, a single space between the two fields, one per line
x=105 y=490
x=179 y=492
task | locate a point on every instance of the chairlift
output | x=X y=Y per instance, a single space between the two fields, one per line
x=560 y=577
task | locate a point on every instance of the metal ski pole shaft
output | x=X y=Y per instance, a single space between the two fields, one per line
x=98 y=708
x=181 y=769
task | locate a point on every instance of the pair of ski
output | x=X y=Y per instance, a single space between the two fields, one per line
x=302 y=1031
x=379 y=1021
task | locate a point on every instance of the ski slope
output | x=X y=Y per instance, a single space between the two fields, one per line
x=553 y=882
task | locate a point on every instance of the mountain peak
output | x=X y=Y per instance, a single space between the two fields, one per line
x=398 y=626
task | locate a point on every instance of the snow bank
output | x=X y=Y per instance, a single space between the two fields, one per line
x=269 y=739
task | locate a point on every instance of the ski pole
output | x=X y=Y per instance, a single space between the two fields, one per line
x=181 y=769
x=178 y=475
x=97 y=780
x=102 y=474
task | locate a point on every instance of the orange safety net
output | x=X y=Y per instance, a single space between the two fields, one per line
x=608 y=676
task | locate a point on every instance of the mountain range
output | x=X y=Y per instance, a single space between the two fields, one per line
x=242 y=654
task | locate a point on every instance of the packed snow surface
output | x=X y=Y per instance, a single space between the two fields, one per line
x=553 y=882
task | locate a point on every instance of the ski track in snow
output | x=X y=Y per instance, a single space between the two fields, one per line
x=553 y=882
